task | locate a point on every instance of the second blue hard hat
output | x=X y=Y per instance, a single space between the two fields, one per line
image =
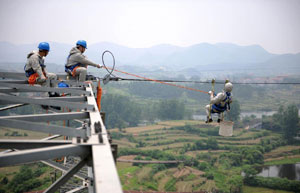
x=82 y=43
x=44 y=46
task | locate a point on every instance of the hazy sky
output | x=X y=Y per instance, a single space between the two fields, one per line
x=273 y=24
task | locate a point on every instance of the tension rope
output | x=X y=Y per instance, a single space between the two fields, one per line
x=158 y=81
x=110 y=70
x=111 y=76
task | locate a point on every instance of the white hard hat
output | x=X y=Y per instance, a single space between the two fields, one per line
x=228 y=87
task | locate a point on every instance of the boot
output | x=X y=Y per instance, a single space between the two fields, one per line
x=57 y=108
x=208 y=120
x=219 y=120
x=54 y=94
x=45 y=107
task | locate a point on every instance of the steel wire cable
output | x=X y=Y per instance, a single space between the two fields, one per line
x=167 y=82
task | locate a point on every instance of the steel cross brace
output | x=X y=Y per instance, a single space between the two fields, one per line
x=11 y=107
x=66 y=98
x=64 y=178
x=32 y=155
x=77 y=189
x=49 y=117
x=14 y=75
x=30 y=144
x=62 y=98
x=39 y=127
x=45 y=89
x=54 y=112
x=50 y=102
x=21 y=75
x=51 y=137
x=63 y=168
x=15 y=81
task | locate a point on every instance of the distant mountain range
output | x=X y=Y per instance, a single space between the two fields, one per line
x=199 y=57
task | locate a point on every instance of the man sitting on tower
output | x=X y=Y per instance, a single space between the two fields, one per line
x=35 y=69
x=77 y=63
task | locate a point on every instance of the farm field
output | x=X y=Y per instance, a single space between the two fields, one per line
x=173 y=138
x=176 y=140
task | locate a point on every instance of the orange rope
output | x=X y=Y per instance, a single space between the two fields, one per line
x=170 y=84
x=64 y=124
x=99 y=94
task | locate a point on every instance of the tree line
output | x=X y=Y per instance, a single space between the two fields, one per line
x=285 y=121
x=123 y=111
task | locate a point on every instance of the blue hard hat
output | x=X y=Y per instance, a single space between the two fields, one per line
x=44 y=46
x=62 y=85
x=82 y=43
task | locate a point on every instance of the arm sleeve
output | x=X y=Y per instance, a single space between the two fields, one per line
x=45 y=71
x=217 y=99
x=230 y=101
x=82 y=60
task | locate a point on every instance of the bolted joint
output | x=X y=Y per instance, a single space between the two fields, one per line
x=89 y=181
x=97 y=126
x=100 y=138
x=85 y=126
x=109 y=137
x=114 y=149
x=78 y=139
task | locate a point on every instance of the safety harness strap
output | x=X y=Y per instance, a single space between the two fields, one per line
x=30 y=71
x=71 y=69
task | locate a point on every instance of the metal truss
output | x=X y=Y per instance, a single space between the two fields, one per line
x=88 y=143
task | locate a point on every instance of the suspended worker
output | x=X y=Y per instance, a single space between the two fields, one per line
x=77 y=63
x=219 y=103
x=35 y=69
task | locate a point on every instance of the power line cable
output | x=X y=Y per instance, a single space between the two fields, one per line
x=205 y=82
x=110 y=77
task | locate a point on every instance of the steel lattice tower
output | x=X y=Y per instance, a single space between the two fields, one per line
x=90 y=142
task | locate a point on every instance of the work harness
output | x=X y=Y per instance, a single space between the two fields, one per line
x=69 y=69
x=30 y=71
x=219 y=108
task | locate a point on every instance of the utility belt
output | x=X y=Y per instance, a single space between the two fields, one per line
x=29 y=72
x=72 y=69
x=218 y=108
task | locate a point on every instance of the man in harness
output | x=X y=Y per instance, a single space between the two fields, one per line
x=35 y=69
x=77 y=63
x=219 y=103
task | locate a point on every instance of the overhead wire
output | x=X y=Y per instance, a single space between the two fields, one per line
x=205 y=82
x=158 y=81
x=109 y=77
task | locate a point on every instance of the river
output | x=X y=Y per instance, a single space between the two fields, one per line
x=243 y=114
x=258 y=114
x=289 y=171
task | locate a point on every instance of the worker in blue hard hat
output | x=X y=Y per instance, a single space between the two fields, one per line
x=77 y=63
x=35 y=69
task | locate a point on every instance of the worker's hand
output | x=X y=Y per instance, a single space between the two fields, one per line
x=43 y=79
x=99 y=66
x=210 y=92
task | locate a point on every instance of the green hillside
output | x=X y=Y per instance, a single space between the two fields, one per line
x=211 y=162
